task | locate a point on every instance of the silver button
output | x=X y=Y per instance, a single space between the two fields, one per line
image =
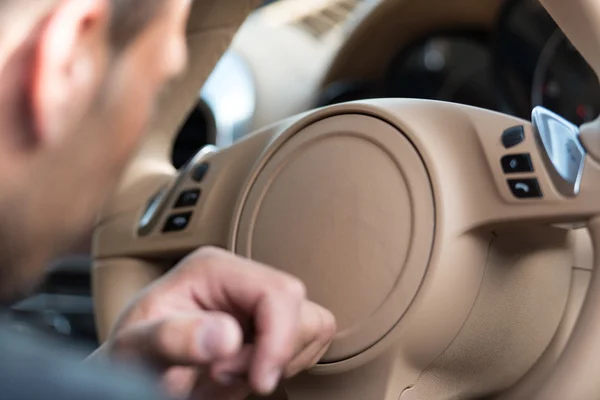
x=561 y=151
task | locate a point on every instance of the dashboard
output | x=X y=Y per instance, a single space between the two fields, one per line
x=521 y=61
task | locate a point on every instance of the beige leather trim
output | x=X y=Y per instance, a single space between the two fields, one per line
x=574 y=377
x=535 y=378
x=508 y=327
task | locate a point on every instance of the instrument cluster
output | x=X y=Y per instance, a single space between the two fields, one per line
x=525 y=61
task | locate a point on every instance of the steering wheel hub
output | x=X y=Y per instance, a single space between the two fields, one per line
x=346 y=205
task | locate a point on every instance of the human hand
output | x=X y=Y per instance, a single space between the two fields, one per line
x=220 y=326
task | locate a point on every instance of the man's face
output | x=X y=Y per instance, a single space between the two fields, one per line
x=80 y=144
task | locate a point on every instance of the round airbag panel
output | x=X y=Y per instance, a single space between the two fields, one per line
x=346 y=205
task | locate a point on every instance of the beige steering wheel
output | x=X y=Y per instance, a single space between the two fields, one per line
x=429 y=229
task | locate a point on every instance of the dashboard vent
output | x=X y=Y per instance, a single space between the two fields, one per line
x=324 y=20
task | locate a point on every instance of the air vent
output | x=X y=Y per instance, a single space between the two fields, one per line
x=324 y=20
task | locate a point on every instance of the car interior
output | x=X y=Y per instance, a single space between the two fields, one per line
x=429 y=168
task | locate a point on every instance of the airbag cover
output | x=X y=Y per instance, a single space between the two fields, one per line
x=346 y=205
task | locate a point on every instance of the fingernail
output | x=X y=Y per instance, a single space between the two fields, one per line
x=271 y=381
x=209 y=340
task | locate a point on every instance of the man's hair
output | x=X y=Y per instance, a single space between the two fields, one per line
x=128 y=17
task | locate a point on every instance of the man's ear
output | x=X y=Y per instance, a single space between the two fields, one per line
x=70 y=62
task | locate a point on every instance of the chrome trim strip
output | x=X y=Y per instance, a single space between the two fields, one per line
x=561 y=150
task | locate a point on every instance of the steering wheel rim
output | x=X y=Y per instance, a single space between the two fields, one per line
x=212 y=26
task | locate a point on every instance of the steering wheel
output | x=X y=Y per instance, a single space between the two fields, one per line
x=430 y=229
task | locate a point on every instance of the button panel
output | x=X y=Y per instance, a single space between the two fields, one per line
x=513 y=136
x=177 y=222
x=188 y=198
x=528 y=188
x=517 y=163
x=521 y=187
x=174 y=196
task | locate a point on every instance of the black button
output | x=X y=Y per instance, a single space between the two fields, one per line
x=199 y=172
x=513 y=136
x=177 y=222
x=189 y=198
x=515 y=163
x=525 y=188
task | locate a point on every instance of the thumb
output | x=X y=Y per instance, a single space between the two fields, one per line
x=193 y=339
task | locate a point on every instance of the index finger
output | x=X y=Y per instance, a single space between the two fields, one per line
x=271 y=298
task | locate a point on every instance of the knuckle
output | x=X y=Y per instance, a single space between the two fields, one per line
x=148 y=308
x=209 y=254
x=293 y=287
x=329 y=325
x=206 y=258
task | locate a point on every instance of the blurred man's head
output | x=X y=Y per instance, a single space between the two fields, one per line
x=78 y=82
